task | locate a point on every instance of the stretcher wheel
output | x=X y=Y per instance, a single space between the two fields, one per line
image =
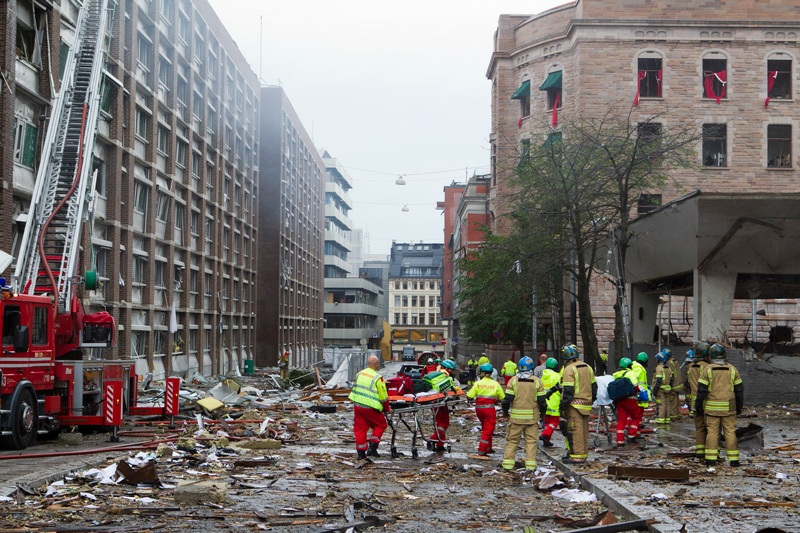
x=449 y=448
x=394 y=453
x=597 y=441
x=414 y=453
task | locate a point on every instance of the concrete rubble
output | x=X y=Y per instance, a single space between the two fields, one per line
x=271 y=458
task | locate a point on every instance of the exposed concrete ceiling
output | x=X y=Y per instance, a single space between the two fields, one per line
x=756 y=236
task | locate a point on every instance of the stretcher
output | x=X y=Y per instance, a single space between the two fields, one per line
x=413 y=411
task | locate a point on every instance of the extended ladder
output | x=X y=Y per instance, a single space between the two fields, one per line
x=49 y=252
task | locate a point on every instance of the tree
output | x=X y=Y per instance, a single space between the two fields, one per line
x=580 y=187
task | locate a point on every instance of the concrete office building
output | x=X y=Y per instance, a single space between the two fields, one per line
x=353 y=303
x=290 y=244
x=175 y=214
x=728 y=70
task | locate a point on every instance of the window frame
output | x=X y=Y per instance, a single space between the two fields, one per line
x=646 y=62
x=712 y=157
x=786 y=158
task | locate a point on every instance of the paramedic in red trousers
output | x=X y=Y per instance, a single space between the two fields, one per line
x=551 y=380
x=578 y=393
x=486 y=392
x=627 y=408
x=523 y=404
x=441 y=415
x=371 y=402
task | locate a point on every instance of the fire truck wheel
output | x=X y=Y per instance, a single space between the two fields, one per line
x=23 y=422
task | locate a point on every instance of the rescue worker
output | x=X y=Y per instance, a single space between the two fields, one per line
x=578 y=393
x=627 y=408
x=523 y=404
x=677 y=387
x=720 y=395
x=283 y=364
x=486 y=392
x=483 y=360
x=509 y=369
x=640 y=369
x=370 y=403
x=696 y=366
x=472 y=370
x=661 y=387
x=431 y=366
x=602 y=364
x=551 y=381
x=441 y=381
x=539 y=370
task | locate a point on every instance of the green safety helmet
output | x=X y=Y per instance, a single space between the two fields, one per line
x=701 y=349
x=642 y=358
x=625 y=362
x=570 y=352
x=551 y=363
x=717 y=351
x=486 y=367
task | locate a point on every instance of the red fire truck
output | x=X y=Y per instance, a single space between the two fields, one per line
x=52 y=369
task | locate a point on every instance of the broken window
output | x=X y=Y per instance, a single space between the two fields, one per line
x=647 y=203
x=782 y=334
x=25 y=140
x=779 y=79
x=779 y=146
x=715 y=142
x=31 y=29
x=649 y=76
x=715 y=78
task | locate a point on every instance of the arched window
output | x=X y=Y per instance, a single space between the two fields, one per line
x=779 y=77
x=649 y=75
x=715 y=76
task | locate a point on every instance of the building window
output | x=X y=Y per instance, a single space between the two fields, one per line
x=523 y=94
x=715 y=78
x=138 y=266
x=647 y=203
x=141 y=194
x=25 y=137
x=431 y=318
x=414 y=301
x=648 y=140
x=141 y=123
x=397 y=301
x=404 y=318
x=649 y=75
x=163 y=141
x=552 y=84
x=779 y=79
x=31 y=29
x=715 y=142
x=145 y=51
x=525 y=151
x=162 y=207
x=397 y=318
x=405 y=301
x=779 y=146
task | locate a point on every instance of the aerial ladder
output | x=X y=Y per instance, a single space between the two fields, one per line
x=47 y=382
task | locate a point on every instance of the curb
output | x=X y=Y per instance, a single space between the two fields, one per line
x=621 y=501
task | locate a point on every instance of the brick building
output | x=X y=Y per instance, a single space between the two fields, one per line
x=728 y=68
x=175 y=220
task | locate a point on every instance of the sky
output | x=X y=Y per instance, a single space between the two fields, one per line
x=388 y=89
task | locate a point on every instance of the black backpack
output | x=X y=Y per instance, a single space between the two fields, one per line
x=621 y=388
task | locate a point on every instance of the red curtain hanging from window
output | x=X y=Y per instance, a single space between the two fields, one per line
x=555 y=108
x=641 y=75
x=658 y=79
x=771 y=75
x=722 y=76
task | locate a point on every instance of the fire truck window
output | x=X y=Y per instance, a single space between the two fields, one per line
x=11 y=316
x=40 y=326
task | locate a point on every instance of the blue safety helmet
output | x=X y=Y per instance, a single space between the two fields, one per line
x=525 y=364
x=486 y=367
x=661 y=357
x=570 y=352
x=717 y=352
x=449 y=364
x=667 y=352
x=701 y=349
x=690 y=356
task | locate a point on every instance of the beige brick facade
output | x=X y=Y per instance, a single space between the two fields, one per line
x=597 y=46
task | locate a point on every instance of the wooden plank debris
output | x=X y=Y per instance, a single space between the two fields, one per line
x=733 y=503
x=670 y=474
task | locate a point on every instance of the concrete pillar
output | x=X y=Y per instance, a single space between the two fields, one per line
x=644 y=313
x=713 y=304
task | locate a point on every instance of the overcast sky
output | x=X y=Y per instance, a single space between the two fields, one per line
x=388 y=89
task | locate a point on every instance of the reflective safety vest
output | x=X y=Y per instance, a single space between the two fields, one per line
x=580 y=376
x=525 y=409
x=693 y=377
x=663 y=372
x=471 y=363
x=438 y=381
x=641 y=380
x=551 y=378
x=509 y=369
x=482 y=360
x=369 y=390
x=486 y=392
x=675 y=374
x=720 y=380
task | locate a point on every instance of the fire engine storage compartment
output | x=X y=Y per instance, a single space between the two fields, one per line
x=81 y=384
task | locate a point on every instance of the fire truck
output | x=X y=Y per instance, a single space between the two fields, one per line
x=52 y=375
